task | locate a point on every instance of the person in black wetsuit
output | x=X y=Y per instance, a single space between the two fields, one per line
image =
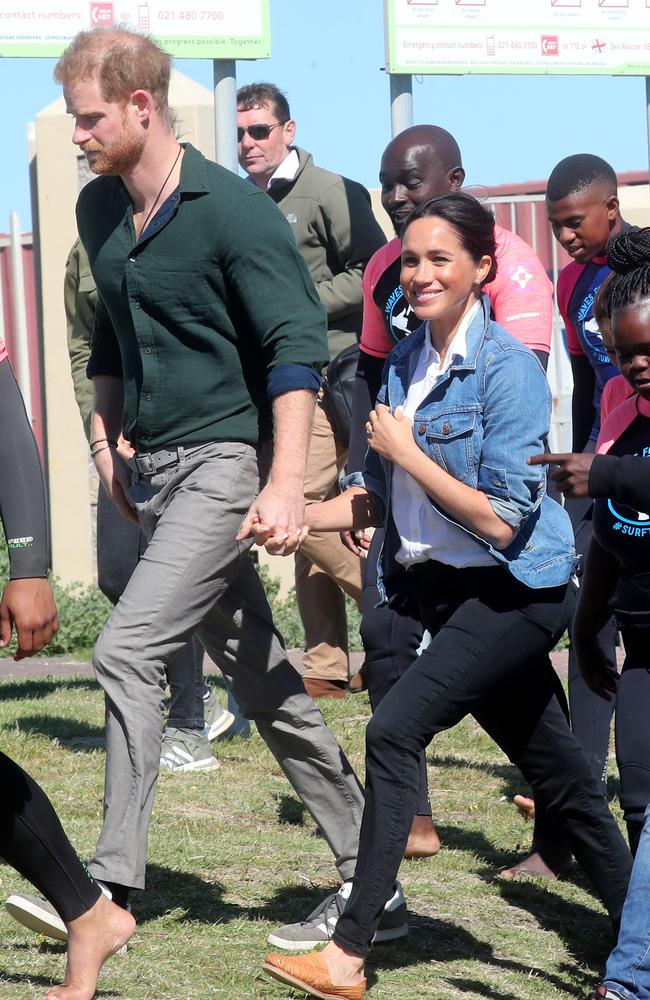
x=31 y=837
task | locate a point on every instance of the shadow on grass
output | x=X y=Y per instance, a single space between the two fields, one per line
x=291 y=811
x=40 y=687
x=442 y=941
x=73 y=734
x=477 y=989
x=169 y=891
x=586 y=934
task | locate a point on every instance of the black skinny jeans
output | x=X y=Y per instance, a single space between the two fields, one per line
x=33 y=842
x=391 y=642
x=489 y=658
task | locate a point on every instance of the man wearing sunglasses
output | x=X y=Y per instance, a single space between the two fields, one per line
x=337 y=234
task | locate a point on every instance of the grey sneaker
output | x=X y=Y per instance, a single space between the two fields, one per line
x=319 y=926
x=182 y=751
x=218 y=720
x=36 y=914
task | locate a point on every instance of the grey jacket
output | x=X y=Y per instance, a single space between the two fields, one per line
x=337 y=234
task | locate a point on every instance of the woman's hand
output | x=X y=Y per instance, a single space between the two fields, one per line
x=390 y=435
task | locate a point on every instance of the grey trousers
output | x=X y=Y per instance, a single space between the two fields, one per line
x=119 y=547
x=194 y=576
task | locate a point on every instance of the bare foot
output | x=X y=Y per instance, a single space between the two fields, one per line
x=423 y=840
x=345 y=968
x=92 y=938
x=532 y=865
x=525 y=807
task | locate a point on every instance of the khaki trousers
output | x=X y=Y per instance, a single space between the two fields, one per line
x=325 y=569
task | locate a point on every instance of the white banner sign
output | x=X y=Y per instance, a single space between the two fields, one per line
x=518 y=36
x=227 y=29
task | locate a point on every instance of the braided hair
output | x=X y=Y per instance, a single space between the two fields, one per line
x=628 y=255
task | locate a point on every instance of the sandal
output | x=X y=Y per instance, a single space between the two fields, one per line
x=310 y=974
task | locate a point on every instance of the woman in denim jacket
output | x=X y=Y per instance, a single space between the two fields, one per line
x=489 y=556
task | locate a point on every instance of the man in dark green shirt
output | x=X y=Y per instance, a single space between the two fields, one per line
x=207 y=327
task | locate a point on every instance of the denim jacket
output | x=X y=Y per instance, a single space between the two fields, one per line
x=484 y=416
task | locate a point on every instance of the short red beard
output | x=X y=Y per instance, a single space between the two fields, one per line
x=119 y=156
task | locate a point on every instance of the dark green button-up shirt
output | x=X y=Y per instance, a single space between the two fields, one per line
x=200 y=313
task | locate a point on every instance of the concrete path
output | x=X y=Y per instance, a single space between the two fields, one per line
x=63 y=666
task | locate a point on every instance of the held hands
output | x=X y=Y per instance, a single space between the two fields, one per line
x=390 y=435
x=276 y=520
x=570 y=471
x=358 y=542
x=28 y=605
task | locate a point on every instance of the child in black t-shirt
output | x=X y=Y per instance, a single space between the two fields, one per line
x=617 y=579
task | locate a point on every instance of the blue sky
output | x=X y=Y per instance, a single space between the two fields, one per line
x=328 y=59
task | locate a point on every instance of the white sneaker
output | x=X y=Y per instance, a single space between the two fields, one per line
x=218 y=720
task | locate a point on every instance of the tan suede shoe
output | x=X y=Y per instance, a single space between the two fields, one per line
x=310 y=974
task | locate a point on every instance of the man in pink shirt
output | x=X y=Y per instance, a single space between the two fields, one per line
x=421 y=162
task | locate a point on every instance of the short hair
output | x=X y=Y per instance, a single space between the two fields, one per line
x=122 y=60
x=472 y=221
x=255 y=95
x=628 y=254
x=577 y=173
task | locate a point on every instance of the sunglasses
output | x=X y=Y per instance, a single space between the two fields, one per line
x=257 y=132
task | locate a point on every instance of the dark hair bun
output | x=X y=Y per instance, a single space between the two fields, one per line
x=627 y=251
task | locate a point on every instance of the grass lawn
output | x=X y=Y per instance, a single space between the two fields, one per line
x=232 y=855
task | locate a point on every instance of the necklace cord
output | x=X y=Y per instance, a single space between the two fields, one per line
x=164 y=183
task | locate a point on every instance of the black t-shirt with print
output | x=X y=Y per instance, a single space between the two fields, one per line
x=624 y=532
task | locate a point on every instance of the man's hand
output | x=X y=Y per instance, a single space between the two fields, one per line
x=28 y=605
x=597 y=669
x=390 y=435
x=125 y=448
x=116 y=480
x=276 y=519
x=570 y=472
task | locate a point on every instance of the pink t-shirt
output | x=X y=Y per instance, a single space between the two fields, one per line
x=3 y=350
x=615 y=391
x=521 y=296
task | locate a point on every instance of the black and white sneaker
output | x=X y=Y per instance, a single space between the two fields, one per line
x=319 y=926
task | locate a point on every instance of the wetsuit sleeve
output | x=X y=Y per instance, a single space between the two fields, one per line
x=22 y=493
x=622 y=478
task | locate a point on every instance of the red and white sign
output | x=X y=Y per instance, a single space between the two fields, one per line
x=102 y=15
x=550 y=45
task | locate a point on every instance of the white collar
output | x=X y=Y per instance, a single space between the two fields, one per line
x=458 y=346
x=287 y=170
